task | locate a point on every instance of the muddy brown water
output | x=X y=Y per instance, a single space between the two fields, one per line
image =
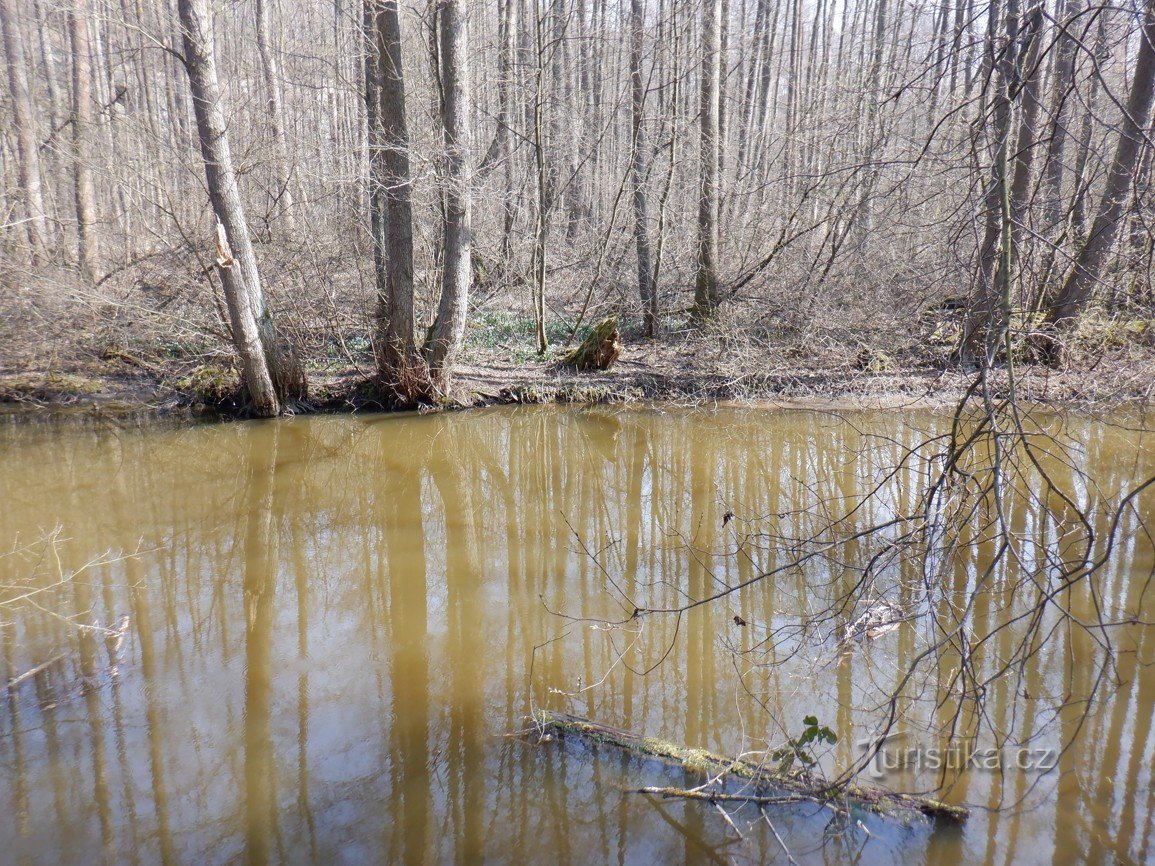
x=334 y=623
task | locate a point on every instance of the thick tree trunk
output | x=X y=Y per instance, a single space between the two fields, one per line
x=1089 y=266
x=252 y=325
x=400 y=367
x=449 y=326
x=27 y=147
x=84 y=192
x=638 y=169
x=706 y=294
x=272 y=74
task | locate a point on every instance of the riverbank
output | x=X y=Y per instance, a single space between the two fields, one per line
x=682 y=369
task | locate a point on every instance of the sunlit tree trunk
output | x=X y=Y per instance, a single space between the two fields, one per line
x=449 y=326
x=27 y=147
x=272 y=74
x=262 y=363
x=400 y=367
x=82 y=120
x=706 y=293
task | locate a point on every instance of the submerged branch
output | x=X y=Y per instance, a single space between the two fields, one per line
x=791 y=787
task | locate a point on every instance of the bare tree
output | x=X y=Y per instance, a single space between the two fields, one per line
x=1088 y=269
x=272 y=74
x=639 y=170
x=82 y=122
x=271 y=375
x=449 y=326
x=706 y=294
x=400 y=367
x=28 y=150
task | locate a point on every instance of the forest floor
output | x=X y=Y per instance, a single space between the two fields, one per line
x=687 y=368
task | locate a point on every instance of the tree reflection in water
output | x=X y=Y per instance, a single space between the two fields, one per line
x=333 y=621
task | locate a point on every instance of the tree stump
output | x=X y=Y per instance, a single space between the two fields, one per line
x=599 y=350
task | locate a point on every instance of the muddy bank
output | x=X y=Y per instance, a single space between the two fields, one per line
x=696 y=373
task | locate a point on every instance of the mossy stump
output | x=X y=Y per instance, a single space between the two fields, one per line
x=600 y=350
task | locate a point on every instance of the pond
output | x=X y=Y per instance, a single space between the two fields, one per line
x=317 y=639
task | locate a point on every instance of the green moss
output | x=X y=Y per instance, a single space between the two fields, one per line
x=850 y=796
x=569 y=392
x=47 y=388
x=210 y=384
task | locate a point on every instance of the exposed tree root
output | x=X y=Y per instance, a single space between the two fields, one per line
x=766 y=785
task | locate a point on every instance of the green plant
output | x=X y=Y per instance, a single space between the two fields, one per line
x=796 y=748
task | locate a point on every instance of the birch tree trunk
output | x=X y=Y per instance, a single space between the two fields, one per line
x=706 y=297
x=252 y=325
x=449 y=326
x=1089 y=266
x=84 y=193
x=27 y=147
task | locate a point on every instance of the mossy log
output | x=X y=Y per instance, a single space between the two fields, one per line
x=599 y=350
x=789 y=787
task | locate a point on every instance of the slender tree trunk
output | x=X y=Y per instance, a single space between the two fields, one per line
x=84 y=191
x=270 y=374
x=449 y=326
x=706 y=292
x=1089 y=266
x=638 y=170
x=1028 y=97
x=1003 y=57
x=272 y=74
x=1101 y=53
x=375 y=142
x=400 y=367
x=545 y=193
x=27 y=147
x=507 y=29
x=1062 y=86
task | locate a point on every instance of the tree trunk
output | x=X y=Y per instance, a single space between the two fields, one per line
x=252 y=325
x=706 y=295
x=1062 y=86
x=272 y=75
x=400 y=368
x=638 y=170
x=1089 y=266
x=984 y=306
x=85 y=195
x=507 y=27
x=449 y=326
x=27 y=147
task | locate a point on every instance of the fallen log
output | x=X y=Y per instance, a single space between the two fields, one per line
x=789 y=787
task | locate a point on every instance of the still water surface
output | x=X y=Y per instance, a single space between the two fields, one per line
x=332 y=622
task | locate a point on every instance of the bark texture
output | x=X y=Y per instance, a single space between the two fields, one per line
x=27 y=148
x=706 y=295
x=270 y=374
x=1092 y=260
x=449 y=326
x=402 y=371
